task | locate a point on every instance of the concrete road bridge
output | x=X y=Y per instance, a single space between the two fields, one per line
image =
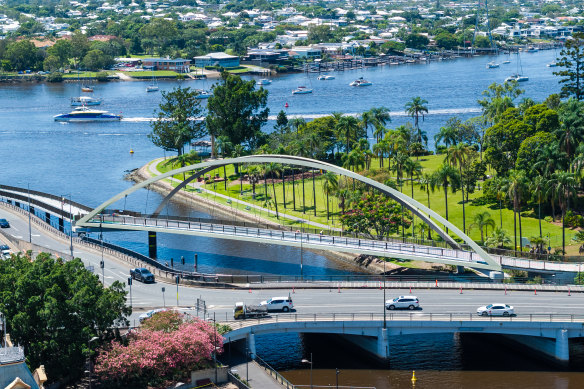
x=548 y=335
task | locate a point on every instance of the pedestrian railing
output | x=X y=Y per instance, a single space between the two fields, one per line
x=403 y=317
x=273 y=373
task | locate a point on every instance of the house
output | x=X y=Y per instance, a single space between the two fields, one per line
x=178 y=65
x=217 y=59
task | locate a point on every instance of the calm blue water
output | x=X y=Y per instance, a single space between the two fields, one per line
x=88 y=160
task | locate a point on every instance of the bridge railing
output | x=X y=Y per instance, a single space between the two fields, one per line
x=401 y=317
x=383 y=247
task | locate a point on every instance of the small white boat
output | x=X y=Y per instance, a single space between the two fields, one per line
x=552 y=65
x=361 y=82
x=505 y=62
x=492 y=65
x=84 y=100
x=84 y=114
x=264 y=81
x=87 y=89
x=152 y=88
x=202 y=94
x=301 y=90
x=325 y=77
x=517 y=77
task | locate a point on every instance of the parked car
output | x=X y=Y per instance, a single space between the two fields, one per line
x=5 y=252
x=403 y=302
x=497 y=309
x=283 y=304
x=4 y=223
x=142 y=274
x=149 y=314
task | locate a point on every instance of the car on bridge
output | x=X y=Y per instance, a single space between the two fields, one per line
x=403 y=302
x=4 y=223
x=5 y=252
x=149 y=314
x=283 y=304
x=497 y=309
x=142 y=274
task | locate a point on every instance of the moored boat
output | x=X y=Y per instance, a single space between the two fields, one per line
x=301 y=90
x=361 y=82
x=87 y=89
x=151 y=88
x=202 y=94
x=325 y=77
x=84 y=114
x=517 y=77
x=492 y=65
x=84 y=100
x=264 y=81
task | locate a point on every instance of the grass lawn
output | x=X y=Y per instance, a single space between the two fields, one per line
x=150 y=73
x=305 y=208
x=85 y=74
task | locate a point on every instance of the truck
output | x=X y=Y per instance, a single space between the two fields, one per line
x=243 y=311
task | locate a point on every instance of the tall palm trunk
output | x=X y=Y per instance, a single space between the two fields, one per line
x=520 y=232
x=293 y=189
x=303 y=194
x=284 y=186
x=275 y=198
x=501 y=212
x=327 y=206
x=514 y=225
x=429 y=229
x=446 y=202
x=313 y=192
x=225 y=177
x=539 y=215
x=463 y=210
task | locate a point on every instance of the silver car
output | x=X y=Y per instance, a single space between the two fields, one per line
x=283 y=304
x=497 y=309
x=403 y=302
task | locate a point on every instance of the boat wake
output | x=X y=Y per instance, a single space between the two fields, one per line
x=446 y=111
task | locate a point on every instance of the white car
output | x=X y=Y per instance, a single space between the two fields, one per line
x=283 y=304
x=403 y=302
x=497 y=309
x=149 y=314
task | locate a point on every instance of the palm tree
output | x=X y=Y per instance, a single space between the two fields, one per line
x=482 y=221
x=537 y=188
x=415 y=108
x=378 y=149
x=571 y=132
x=448 y=133
x=413 y=170
x=348 y=128
x=445 y=176
x=565 y=186
x=253 y=173
x=399 y=166
x=273 y=169
x=515 y=190
x=330 y=185
x=498 y=238
x=297 y=123
x=500 y=185
x=458 y=155
x=375 y=117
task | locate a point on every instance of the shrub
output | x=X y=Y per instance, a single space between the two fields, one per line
x=102 y=76
x=55 y=77
x=159 y=358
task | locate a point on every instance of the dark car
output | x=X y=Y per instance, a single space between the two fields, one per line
x=4 y=223
x=142 y=274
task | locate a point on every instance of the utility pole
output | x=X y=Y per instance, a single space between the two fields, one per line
x=29 y=216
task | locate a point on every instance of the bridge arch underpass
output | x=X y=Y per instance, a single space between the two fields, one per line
x=426 y=214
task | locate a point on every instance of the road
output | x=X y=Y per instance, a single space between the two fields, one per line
x=220 y=301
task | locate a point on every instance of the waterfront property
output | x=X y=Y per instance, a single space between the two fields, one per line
x=548 y=335
x=217 y=59
x=178 y=65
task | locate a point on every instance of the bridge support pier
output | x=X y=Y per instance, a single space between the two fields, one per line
x=61 y=225
x=48 y=218
x=382 y=344
x=251 y=348
x=152 y=248
x=562 y=346
x=31 y=209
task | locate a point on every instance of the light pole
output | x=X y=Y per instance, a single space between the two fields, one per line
x=29 y=216
x=215 y=345
x=384 y=313
x=71 y=224
x=89 y=358
x=337 y=371
x=307 y=361
x=301 y=259
x=102 y=263
x=163 y=298
x=130 y=285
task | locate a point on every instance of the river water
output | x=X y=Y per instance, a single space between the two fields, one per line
x=88 y=162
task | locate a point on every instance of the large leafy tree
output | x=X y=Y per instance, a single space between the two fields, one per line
x=176 y=126
x=22 y=55
x=375 y=216
x=237 y=110
x=54 y=307
x=572 y=62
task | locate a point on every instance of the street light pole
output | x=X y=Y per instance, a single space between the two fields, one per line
x=301 y=259
x=71 y=223
x=29 y=216
x=337 y=377
x=163 y=298
x=89 y=358
x=384 y=313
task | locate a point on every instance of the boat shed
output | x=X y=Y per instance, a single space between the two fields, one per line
x=179 y=65
x=217 y=59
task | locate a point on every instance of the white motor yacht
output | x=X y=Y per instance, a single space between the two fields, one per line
x=301 y=90
x=202 y=94
x=325 y=77
x=361 y=82
x=84 y=100
x=84 y=114
x=517 y=77
x=264 y=81
x=492 y=65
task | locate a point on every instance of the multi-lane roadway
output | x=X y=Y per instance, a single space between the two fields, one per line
x=220 y=301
